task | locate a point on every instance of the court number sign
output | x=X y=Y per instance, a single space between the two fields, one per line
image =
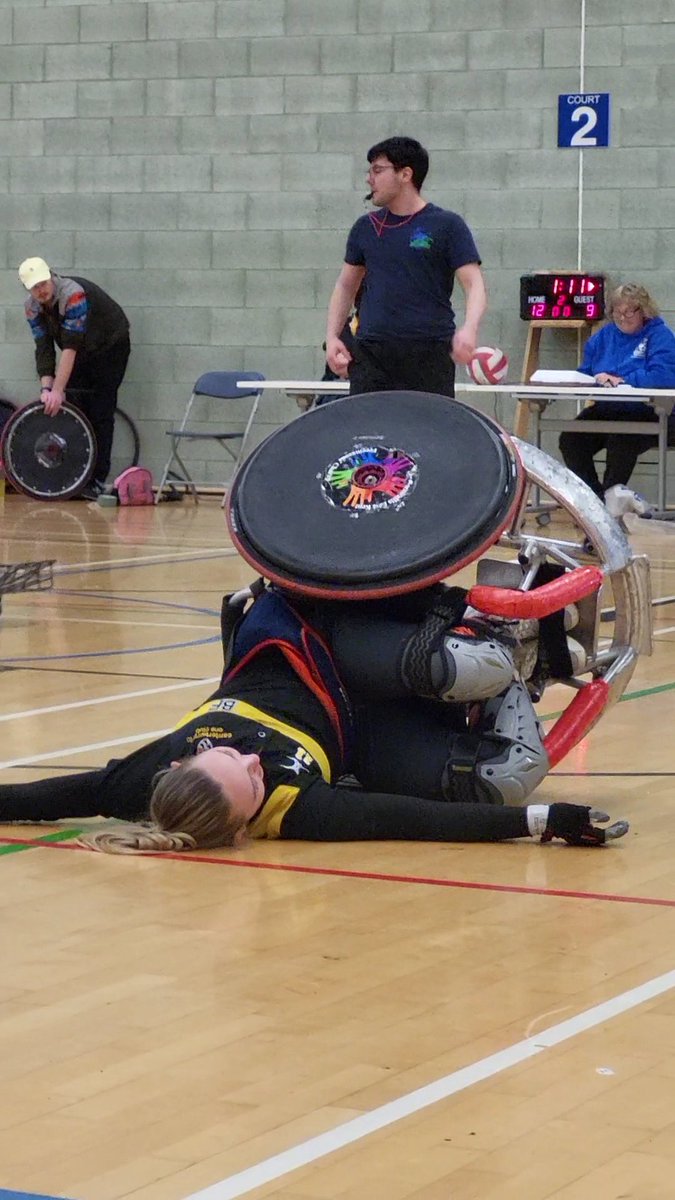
x=583 y=119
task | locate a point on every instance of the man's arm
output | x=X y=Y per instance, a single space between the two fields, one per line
x=472 y=283
x=45 y=353
x=73 y=330
x=54 y=399
x=339 y=307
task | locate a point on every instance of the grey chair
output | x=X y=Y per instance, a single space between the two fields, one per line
x=218 y=385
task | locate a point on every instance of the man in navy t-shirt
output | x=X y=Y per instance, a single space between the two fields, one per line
x=406 y=255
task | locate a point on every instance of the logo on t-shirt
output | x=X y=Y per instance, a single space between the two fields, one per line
x=641 y=349
x=420 y=240
x=300 y=761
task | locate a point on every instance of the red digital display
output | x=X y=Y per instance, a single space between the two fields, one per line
x=562 y=297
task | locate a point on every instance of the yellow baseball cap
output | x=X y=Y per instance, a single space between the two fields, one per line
x=32 y=271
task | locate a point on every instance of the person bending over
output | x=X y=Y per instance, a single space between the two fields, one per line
x=92 y=333
x=428 y=715
x=635 y=347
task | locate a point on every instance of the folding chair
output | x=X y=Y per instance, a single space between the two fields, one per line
x=219 y=385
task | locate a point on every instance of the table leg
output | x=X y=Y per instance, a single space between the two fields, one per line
x=522 y=420
x=663 y=460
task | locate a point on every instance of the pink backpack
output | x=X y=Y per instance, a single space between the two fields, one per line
x=134 y=486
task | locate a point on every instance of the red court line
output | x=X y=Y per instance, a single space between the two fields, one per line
x=342 y=873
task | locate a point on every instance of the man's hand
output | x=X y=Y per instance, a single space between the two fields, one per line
x=338 y=356
x=463 y=345
x=608 y=380
x=52 y=400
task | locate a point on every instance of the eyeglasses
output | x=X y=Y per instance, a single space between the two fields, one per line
x=382 y=167
x=624 y=314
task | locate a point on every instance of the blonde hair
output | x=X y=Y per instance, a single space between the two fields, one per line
x=635 y=294
x=188 y=811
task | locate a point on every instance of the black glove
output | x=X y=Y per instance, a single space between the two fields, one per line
x=574 y=824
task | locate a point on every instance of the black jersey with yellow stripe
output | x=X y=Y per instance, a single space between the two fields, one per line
x=290 y=757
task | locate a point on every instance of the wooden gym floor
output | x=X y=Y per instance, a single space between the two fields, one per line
x=314 y=1022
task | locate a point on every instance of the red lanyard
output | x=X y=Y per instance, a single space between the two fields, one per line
x=380 y=224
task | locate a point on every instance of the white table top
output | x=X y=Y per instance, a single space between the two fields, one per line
x=552 y=391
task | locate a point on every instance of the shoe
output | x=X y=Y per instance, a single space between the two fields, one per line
x=91 y=491
x=621 y=499
x=574 y=823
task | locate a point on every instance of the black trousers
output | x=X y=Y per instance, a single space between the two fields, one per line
x=99 y=376
x=623 y=450
x=403 y=742
x=409 y=366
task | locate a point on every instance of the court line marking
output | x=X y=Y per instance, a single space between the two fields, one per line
x=7 y=1195
x=110 y=699
x=28 y=760
x=29 y=618
x=407 y=1105
x=61 y=835
x=144 y=560
x=380 y=876
x=50 y=658
x=141 y=599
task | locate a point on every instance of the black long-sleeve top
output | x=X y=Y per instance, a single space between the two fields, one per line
x=274 y=715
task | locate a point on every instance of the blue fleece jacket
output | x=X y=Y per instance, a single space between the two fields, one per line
x=645 y=359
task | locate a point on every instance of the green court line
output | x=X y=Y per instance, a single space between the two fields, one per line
x=63 y=835
x=652 y=691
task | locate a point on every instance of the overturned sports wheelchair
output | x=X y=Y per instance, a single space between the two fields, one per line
x=385 y=494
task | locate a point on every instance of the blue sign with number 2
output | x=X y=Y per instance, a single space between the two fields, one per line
x=583 y=119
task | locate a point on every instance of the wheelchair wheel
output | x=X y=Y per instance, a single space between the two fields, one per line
x=367 y=500
x=48 y=458
x=389 y=492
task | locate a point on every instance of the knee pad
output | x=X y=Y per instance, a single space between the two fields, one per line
x=456 y=666
x=503 y=759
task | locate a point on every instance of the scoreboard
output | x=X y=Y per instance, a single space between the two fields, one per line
x=562 y=296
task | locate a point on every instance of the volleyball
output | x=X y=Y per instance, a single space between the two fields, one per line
x=488 y=365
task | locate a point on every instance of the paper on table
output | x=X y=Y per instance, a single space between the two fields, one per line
x=560 y=377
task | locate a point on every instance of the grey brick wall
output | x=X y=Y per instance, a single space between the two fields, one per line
x=204 y=159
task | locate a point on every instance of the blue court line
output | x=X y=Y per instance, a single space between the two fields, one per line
x=127 y=566
x=209 y=612
x=5 y=1195
x=43 y=658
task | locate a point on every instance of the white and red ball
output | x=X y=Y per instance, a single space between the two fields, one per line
x=488 y=365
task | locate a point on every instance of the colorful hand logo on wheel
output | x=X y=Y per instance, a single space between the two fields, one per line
x=369 y=479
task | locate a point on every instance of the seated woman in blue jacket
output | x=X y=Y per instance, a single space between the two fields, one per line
x=636 y=347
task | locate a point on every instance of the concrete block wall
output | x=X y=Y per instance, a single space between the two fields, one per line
x=204 y=159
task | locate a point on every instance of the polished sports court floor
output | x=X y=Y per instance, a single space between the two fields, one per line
x=315 y=1022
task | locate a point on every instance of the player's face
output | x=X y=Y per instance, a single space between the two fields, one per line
x=384 y=181
x=43 y=292
x=240 y=776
